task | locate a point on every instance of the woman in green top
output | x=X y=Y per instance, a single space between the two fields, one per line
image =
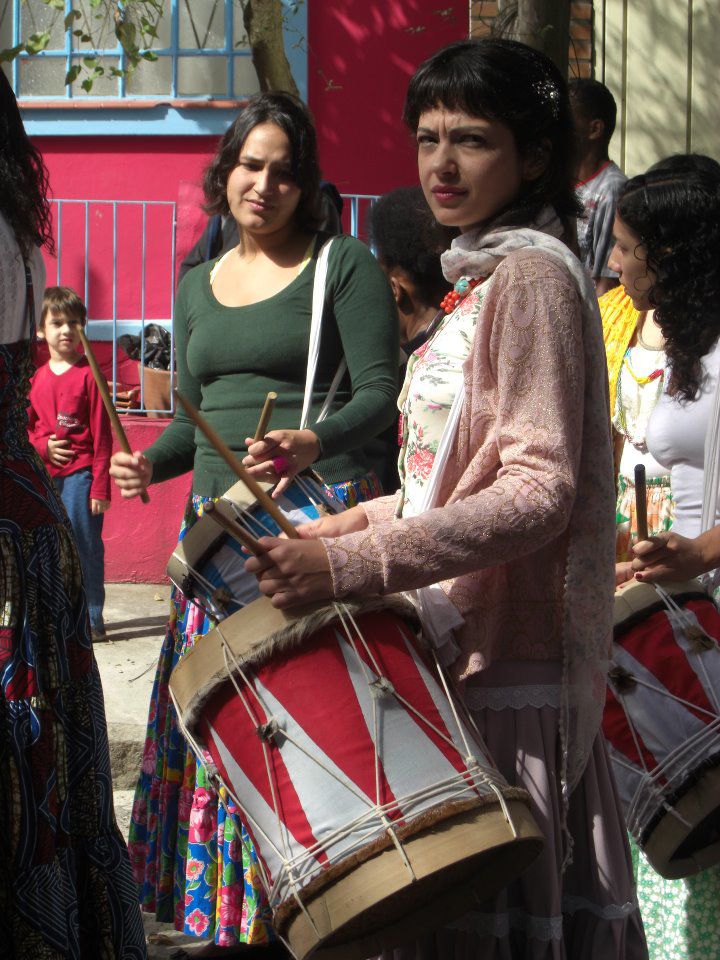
x=242 y=327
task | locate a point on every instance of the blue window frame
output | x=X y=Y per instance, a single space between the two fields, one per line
x=203 y=61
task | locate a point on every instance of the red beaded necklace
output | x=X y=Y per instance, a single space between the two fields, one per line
x=461 y=289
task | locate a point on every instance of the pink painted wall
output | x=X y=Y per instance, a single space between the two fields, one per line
x=138 y=537
x=361 y=55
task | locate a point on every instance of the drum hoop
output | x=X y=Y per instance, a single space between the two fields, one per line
x=671 y=799
x=284 y=912
x=650 y=602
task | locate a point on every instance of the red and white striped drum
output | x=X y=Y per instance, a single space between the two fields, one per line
x=662 y=723
x=373 y=804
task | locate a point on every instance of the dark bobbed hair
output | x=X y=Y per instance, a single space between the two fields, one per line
x=504 y=80
x=23 y=178
x=405 y=234
x=292 y=116
x=62 y=300
x=595 y=102
x=674 y=210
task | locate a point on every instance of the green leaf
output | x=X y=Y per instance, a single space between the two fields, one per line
x=149 y=55
x=71 y=18
x=90 y=61
x=6 y=56
x=55 y=4
x=37 y=42
x=72 y=74
x=87 y=85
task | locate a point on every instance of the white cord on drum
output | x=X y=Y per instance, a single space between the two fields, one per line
x=294 y=870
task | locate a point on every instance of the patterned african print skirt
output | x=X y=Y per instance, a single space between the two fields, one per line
x=66 y=890
x=660 y=511
x=191 y=855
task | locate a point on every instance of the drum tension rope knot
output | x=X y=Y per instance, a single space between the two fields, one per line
x=270 y=731
x=381 y=688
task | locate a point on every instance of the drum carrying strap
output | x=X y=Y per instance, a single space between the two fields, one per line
x=438 y=614
x=318 y=308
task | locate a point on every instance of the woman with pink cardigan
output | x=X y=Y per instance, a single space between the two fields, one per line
x=504 y=523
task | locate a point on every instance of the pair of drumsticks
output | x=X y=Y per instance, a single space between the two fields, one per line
x=220 y=446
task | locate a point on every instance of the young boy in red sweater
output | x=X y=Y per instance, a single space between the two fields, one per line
x=70 y=429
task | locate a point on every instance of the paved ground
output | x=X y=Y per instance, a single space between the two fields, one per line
x=135 y=617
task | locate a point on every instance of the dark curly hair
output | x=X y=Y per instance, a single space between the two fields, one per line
x=23 y=178
x=292 y=116
x=405 y=234
x=674 y=210
x=504 y=80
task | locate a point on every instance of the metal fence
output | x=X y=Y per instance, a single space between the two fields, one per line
x=120 y=255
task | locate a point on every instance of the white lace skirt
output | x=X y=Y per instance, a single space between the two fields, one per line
x=589 y=912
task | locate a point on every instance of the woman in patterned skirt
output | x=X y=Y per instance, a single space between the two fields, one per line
x=66 y=890
x=242 y=324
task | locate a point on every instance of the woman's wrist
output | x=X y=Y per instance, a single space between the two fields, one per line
x=708 y=548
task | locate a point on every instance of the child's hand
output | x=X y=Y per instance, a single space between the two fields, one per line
x=60 y=452
x=98 y=506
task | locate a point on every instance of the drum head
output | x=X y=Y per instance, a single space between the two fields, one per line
x=463 y=860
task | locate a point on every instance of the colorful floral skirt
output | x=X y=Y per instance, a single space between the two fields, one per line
x=191 y=855
x=660 y=512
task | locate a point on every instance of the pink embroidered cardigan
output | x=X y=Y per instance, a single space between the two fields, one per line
x=523 y=543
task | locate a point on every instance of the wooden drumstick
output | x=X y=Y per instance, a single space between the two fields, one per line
x=237 y=468
x=233 y=529
x=267 y=412
x=641 y=502
x=107 y=401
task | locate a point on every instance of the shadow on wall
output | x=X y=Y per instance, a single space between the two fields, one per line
x=665 y=103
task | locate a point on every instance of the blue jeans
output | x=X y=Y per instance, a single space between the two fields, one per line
x=75 y=493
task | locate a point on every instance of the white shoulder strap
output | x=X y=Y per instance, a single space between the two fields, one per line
x=318 y=306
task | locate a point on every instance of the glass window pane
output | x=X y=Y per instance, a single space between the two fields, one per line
x=164 y=30
x=42 y=77
x=6 y=25
x=202 y=24
x=37 y=17
x=151 y=79
x=240 y=39
x=245 y=79
x=101 y=28
x=202 y=76
x=105 y=86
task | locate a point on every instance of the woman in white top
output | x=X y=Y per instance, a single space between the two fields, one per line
x=668 y=255
x=668 y=247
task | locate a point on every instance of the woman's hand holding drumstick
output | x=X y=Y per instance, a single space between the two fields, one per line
x=666 y=556
x=138 y=486
x=279 y=455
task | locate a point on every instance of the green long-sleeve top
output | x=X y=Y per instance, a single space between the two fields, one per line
x=228 y=358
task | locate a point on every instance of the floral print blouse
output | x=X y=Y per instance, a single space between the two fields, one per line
x=433 y=378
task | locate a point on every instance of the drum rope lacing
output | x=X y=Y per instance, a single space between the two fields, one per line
x=295 y=870
x=648 y=793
